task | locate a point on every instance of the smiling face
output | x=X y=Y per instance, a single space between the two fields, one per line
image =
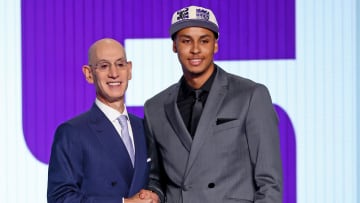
x=196 y=47
x=109 y=71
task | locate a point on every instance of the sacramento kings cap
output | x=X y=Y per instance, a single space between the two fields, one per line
x=194 y=16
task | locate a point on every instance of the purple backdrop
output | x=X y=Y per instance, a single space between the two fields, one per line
x=57 y=34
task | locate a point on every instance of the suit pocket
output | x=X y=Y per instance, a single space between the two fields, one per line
x=104 y=186
x=220 y=121
x=229 y=124
x=239 y=194
x=233 y=200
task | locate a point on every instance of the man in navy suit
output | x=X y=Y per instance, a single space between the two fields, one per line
x=89 y=160
x=229 y=152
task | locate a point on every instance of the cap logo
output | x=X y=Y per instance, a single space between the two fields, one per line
x=202 y=14
x=183 y=14
x=194 y=16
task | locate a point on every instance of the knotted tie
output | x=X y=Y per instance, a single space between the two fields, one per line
x=196 y=112
x=126 y=137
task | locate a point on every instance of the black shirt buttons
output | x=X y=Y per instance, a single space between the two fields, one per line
x=211 y=185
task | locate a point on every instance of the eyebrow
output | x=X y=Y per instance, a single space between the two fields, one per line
x=119 y=59
x=188 y=36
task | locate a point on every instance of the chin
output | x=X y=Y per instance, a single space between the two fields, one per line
x=196 y=72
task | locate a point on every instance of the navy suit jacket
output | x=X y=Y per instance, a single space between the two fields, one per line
x=89 y=162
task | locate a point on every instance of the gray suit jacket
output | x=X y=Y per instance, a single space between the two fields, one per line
x=235 y=154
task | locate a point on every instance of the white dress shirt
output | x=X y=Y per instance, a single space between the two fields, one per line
x=113 y=115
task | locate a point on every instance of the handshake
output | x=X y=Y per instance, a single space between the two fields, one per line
x=144 y=196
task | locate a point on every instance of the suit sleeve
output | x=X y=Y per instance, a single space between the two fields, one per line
x=264 y=145
x=156 y=175
x=65 y=171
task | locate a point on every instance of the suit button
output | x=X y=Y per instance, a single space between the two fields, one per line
x=113 y=183
x=211 y=185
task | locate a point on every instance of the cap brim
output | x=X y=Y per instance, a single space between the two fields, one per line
x=193 y=23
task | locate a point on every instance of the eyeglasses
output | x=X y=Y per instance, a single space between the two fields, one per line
x=106 y=65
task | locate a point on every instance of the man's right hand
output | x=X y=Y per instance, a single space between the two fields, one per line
x=144 y=196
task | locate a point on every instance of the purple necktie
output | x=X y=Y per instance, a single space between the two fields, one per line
x=126 y=137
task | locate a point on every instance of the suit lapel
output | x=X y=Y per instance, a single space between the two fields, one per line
x=175 y=119
x=112 y=143
x=140 y=154
x=208 y=117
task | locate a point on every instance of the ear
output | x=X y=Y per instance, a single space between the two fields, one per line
x=174 y=47
x=216 y=47
x=130 y=70
x=86 y=69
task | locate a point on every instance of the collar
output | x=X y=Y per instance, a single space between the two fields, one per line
x=187 y=90
x=109 y=112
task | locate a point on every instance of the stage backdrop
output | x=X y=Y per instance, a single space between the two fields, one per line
x=303 y=51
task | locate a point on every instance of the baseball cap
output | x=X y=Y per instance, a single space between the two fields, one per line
x=194 y=16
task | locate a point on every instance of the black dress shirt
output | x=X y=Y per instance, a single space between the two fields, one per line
x=186 y=97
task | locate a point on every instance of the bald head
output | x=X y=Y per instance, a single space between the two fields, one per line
x=109 y=71
x=106 y=47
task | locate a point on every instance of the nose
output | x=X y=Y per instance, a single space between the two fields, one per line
x=195 y=48
x=113 y=71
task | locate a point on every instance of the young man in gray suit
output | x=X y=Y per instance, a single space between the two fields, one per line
x=221 y=146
